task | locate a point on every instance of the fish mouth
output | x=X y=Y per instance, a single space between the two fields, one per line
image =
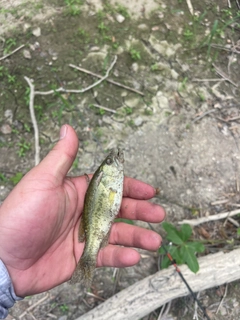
x=118 y=155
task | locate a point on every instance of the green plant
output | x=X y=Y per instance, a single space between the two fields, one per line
x=23 y=147
x=122 y=10
x=131 y=123
x=16 y=131
x=27 y=95
x=128 y=110
x=16 y=178
x=128 y=221
x=75 y=164
x=64 y=308
x=183 y=249
x=148 y=112
x=135 y=54
x=101 y=14
x=11 y=79
x=183 y=84
x=9 y=43
x=38 y=112
x=102 y=27
x=101 y=111
x=115 y=45
x=2 y=69
x=2 y=177
x=154 y=67
x=188 y=34
x=27 y=127
x=73 y=7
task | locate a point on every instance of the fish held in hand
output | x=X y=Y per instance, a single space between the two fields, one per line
x=101 y=205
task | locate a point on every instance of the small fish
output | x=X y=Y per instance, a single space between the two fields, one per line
x=101 y=205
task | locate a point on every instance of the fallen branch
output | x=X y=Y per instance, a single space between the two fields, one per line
x=108 y=80
x=224 y=75
x=205 y=80
x=34 y=121
x=43 y=93
x=104 y=108
x=34 y=306
x=190 y=7
x=223 y=215
x=9 y=54
x=147 y=295
x=204 y=114
x=33 y=93
x=238 y=4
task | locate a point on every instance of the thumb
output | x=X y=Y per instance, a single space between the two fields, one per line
x=59 y=160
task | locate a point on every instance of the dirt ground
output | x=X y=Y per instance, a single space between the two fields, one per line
x=180 y=130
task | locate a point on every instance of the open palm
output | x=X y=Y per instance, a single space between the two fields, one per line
x=39 y=223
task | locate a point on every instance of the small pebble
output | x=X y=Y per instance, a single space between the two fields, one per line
x=6 y=129
x=120 y=18
x=27 y=54
x=36 y=32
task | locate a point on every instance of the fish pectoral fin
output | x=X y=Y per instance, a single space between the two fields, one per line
x=99 y=178
x=81 y=232
x=87 y=178
x=104 y=242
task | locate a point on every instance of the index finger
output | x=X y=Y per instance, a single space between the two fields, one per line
x=137 y=189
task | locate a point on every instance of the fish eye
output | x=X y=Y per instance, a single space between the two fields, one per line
x=109 y=161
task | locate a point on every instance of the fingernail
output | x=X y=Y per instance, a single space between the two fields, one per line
x=63 y=132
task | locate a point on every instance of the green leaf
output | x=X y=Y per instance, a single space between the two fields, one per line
x=189 y=258
x=3 y=178
x=175 y=237
x=165 y=263
x=196 y=246
x=173 y=234
x=168 y=226
x=128 y=221
x=15 y=179
x=185 y=231
x=176 y=254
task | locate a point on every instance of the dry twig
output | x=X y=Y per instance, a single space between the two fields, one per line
x=34 y=121
x=34 y=306
x=224 y=296
x=33 y=93
x=223 y=215
x=204 y=114
x=195 y=316
x=223 y=75
x=238 y=4
x=190 y=7
x=108 y=80
x=81 y=90
x=104 y=108
x=205 y=80
x=9 y=54
x=164 y=311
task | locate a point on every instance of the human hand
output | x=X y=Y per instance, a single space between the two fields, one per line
x=39 y=223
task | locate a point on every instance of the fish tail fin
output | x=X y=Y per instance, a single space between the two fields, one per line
x=84 y=271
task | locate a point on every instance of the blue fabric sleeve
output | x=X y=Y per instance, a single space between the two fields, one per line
x=7 y=294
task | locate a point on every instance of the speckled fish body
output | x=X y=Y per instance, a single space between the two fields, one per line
x=101 y=205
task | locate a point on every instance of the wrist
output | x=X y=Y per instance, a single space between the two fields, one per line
x=7 y=294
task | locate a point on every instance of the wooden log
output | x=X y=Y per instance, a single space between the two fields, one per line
x=153 y=291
